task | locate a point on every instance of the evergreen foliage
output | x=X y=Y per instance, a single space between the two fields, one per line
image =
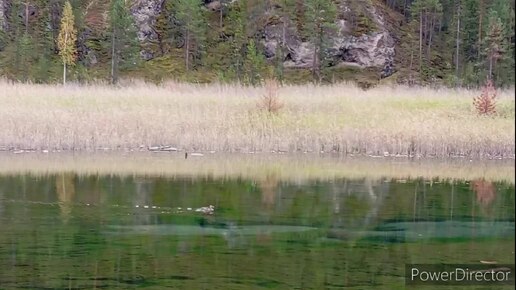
x=124 y=42
x=254 y=64
x=320 y=18
x=190 y=14
x=455 y=42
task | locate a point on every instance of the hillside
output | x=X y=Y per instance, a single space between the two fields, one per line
x=296 y=41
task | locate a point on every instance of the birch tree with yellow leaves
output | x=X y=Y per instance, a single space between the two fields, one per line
x=66 y=41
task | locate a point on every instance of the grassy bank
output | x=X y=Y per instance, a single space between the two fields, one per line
x=343 y=118
x=282 y=167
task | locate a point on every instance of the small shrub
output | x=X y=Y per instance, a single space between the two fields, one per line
x=485 y=104
x=270 y=101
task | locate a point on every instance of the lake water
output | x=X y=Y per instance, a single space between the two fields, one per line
x=100 y=231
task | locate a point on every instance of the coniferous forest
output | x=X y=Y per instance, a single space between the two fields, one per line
x=415 y=42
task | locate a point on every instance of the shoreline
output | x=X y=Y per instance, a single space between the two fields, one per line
x=282 y=167
x=173 y=150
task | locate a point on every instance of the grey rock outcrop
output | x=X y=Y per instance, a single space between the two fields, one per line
x=3 y=15
x=214 y=5
x=145 y=13
x=87 y=56
x=375 y=49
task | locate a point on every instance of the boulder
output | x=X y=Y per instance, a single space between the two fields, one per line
x=214 y=5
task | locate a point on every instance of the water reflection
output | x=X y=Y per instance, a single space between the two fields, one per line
x=66 y=231
x=65 y=189
x=268 y=187
x=484 y=190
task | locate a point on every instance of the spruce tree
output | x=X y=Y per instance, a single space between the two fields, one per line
x=190 y=14
x=254 y=64
x=165 y=27
x=469 y=16
x=124 y=42
x=26 y=51
x=287 y=12
x=320 y=18
x=505 y=67
x=67 y=38
x=237 y=37
x=43 y=71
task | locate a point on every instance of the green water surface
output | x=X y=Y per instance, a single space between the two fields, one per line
x=110 y=232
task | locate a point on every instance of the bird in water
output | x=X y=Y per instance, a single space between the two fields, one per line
x=206 y=209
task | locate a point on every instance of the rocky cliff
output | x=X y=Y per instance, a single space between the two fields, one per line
x=375 y=48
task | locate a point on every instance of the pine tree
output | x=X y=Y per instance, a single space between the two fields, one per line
x=190 y=14
x=67 y=38
x=124 y=42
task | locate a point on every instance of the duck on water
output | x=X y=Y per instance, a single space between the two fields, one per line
x=206 y=209
x=193 y=154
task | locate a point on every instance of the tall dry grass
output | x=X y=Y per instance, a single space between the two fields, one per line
x=342 y=118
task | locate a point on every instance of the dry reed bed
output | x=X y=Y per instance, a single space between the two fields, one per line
x=343 y=118
x=255 y=166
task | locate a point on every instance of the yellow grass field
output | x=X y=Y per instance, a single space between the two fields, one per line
x=340 y=118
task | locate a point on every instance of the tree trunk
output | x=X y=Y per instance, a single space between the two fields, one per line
x=283 y=36
x=283 y=46
x=221 y=10
x=113 y=57
x=187 y=50
x=405 y=8
x=425 y=28
x=457 y=42
x=420 y=41
x=491 y=59
x=411 y=58
x=480 y=16
x=315 y=63
x=64 y=62
x=26 y=17
x=64 y=73
x=430 y=35
x=160 y=43
x=411 y=65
